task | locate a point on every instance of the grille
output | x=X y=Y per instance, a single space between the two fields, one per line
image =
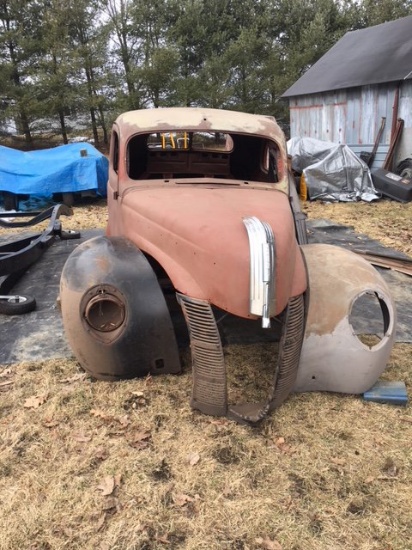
x=209 y=393
x=289 y=351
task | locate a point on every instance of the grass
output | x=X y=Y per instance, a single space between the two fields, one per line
x=128 y=465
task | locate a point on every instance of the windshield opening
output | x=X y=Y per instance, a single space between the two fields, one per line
x=191 y=154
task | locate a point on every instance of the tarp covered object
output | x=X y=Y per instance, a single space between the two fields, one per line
x=65 y=169
x=332 y=171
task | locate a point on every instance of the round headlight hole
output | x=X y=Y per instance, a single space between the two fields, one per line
x=105 y=312
x=370 y=318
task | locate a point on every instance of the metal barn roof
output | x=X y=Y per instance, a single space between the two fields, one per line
x=382 y=53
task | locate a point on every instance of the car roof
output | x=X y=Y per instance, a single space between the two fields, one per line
x=200 y=119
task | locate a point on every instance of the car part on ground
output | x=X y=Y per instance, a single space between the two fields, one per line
x=203 y=200
x=333 y=357
x=114 y=311
x=16 y=304
x=404 y=168
x=18 y=255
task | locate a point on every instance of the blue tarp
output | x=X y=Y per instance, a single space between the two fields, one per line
x=59 y=170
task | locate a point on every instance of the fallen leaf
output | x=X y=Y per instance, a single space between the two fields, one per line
x=100 y=414
x=50 y=423
x=124 y=420
x=35 y=401
x=338 y=461
x=81 y=438
x=109 y=504
x=268 y=543
x=75 y=378
x=389 y=468
x=101 y=522
x=8 y=383
x=101 y=453
x=181 y=499
x=139 y=439
x=193 y=458
x=162 y=539
x=219 y=422
x=369 y=479
x=6 y=372
x=282 y=445
x=107 y=485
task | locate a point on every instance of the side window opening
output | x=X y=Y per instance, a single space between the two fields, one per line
x=254 y=159
x=137 y=157
x=115 y=151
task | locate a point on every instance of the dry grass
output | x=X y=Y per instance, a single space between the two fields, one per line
x=128 y=465
x=386 y=221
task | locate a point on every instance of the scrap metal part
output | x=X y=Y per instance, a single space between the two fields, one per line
x=209 y=392
x=333 y=357
x=114 y=312
x=18 y=255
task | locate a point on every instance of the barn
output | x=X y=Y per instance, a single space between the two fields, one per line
x=360 y=93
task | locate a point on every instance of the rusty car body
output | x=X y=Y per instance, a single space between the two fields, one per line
x=203 y=199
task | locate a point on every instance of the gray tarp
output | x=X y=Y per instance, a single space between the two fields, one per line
x=332 y=171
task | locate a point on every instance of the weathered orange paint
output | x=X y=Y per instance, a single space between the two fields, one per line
x=197 y=235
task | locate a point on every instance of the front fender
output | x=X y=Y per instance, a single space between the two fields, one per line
x=114 y=313
x=333 y=357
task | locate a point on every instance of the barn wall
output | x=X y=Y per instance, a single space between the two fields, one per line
x=405 y=111
x=353 y=116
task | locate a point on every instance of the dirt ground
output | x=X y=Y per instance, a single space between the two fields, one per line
x=128 y=465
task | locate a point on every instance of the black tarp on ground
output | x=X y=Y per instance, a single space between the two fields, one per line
x=39 y=335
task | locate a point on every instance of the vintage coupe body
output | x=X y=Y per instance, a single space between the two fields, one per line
x=201 y=203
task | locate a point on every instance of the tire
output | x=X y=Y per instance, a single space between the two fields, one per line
x=70 y=234
x=16 y=305
x=404 y=168
x=64 y=198
x=10 y=200
x=68 y=199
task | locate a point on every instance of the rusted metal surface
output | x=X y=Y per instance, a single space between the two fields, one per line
x=19 y=254
x=160 y=120
x=139 y=122
x=181 y=214
x=209 y=392
x=200 y=240
x=114 y=312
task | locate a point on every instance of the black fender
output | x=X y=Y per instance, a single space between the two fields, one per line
x=114 y=312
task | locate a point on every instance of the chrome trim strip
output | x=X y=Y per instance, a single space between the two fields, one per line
x=262 y=269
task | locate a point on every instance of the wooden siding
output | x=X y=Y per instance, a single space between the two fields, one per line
x=354 y=116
